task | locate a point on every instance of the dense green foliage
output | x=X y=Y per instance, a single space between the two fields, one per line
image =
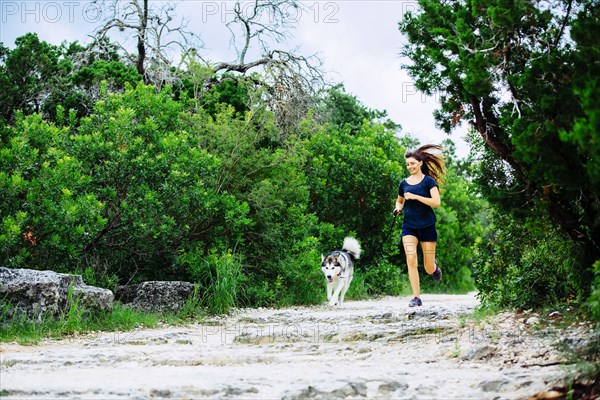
x=515 y=262
x=149 y=185
x=36 y=77
x=344 y=111
x=461 y=222
x=525 y=75
x=594 y=300
x=123 y=182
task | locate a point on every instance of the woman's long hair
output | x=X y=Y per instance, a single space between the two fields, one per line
x=433 y=164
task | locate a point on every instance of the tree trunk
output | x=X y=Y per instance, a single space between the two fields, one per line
x=141 y=45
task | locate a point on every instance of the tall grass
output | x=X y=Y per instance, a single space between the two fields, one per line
x=74 y=321
x=193 y=305
x=218 y=298
x=74 y=315
x=224 y=283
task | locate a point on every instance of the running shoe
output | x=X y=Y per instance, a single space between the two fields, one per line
x=437 y=274
x=415 y=302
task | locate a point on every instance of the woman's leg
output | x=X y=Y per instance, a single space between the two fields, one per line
x=429 y=256
x=410 y=244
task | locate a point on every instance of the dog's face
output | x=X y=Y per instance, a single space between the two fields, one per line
x=331 y=266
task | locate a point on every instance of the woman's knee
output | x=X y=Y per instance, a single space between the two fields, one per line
x=429 y=256
x=429 y=266
x=412 y=260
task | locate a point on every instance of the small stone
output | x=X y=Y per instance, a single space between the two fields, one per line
x=391 y=387
x=493 y=386
x=160 y=393
x=554 y=314
x=351 y=390
x=479 y=352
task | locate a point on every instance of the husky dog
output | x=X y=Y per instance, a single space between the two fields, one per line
x=338 y=267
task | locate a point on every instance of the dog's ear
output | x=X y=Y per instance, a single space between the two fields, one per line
x=322 y=258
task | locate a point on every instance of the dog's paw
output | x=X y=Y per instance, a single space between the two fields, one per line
x=333 y=303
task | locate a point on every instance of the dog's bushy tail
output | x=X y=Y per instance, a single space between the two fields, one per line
x=352 y=247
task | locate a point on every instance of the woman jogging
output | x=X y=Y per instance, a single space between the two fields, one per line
x=418 y=195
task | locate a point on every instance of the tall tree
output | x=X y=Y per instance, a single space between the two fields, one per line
x=345 y=111
x=36 y=76
x=512 y=69
x=27 y=75
x=290 y=79
x=155 y=35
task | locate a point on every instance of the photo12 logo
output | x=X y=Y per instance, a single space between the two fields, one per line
x=410 y=92
x=410 y=6
x=26 y=11
x=326 y=12
x=268 y=333
x=29 y=12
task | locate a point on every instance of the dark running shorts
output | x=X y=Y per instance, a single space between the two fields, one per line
x=427 y=234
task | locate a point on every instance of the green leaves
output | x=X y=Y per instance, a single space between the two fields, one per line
x=516 y=264
x=152 y=186
x=48 y=217
x=523 y=74
x=354 y=178
x=37 y=77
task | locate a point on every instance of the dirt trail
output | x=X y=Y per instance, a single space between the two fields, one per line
x=364 y=349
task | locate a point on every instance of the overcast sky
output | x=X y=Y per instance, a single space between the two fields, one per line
x=358 y=40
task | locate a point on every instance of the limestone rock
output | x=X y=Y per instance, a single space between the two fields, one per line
x=38 y=293
x=155 y=296
x=494 y=385
x=480 y=352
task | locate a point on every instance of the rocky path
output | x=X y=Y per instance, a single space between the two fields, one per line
x=364 y=349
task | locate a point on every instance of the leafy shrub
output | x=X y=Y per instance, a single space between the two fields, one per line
x=149 y=187
x=593 y=301
x=525 y=264
x=353 y=180
x=381 y=278
x=49 y=213
x=122 y=195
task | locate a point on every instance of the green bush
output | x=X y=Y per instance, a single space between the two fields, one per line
x=301 y=274
x=593 y=301
x=353 y=179
x=49 y=211
x=150 y=187
x=382 y=278
x=525 y=264
x=121 y=194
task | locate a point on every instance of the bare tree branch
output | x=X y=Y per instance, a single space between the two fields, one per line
x=153 y=32
x=291 y=80
x=260 y=21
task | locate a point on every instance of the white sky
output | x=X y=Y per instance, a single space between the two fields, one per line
x=358 y=40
